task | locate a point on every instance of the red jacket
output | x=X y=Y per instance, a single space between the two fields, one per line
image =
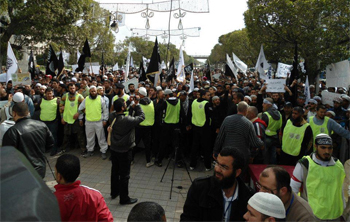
x=81 y=203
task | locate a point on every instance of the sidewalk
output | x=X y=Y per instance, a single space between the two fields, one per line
x=144 y=183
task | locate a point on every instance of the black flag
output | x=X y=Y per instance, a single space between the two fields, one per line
x=31 y=65
x=52 y=61
x=188 y=69
x=103 y=66
x=142 y=73
x=171 y=72
x=207 y=72
x=60 y=65
x=81 y=63
x=153 y=67
x=86 y=49
x=228 y=71
x=295 y=72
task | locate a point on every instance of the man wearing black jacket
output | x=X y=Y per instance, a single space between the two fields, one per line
x=222 y=197
x=29 y=136
x=122 y=142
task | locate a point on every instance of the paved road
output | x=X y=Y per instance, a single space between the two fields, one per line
x=144 y=183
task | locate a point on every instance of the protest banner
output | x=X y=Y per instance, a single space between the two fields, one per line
x=283 y=70
x=328 y=97
x=21 y=78
x=338 y=74
x=135 y=81
x=275 y=85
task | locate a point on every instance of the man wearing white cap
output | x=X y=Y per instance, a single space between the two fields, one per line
x=264 y=207
x=144 y=130
x=101 y=92
x=321 y=177
x=311 y=108
x=96 y=116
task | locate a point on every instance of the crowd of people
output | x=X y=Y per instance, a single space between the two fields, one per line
x=226 y=122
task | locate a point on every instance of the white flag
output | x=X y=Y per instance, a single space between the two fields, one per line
x=231 y=65
x=191 y=83
x=144 y=61
x=241 y=65
x=115 y=67
x=261 y=64
x=78 y=56
x=163 y=66
x=127 y=66
x=11 y=63
x=180 y=75
x=307 y=90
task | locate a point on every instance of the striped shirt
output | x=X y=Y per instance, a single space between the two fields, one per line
x=237 y=132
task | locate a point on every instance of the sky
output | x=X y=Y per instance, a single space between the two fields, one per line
x=224 y=16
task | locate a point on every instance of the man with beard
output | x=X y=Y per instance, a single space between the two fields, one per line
x=69 y=114
x=119 y=93
x=48 y=114
x=321 y=177
x=297 y=138
x=96 y=116
x=222 y=197
x=322 y=124
x=131 y=88
x=276 y=180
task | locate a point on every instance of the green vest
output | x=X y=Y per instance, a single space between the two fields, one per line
x=273 y=126
x=93 y=109
x=126 y=98
x=317 y=129
x=149 y=114
x=70 y=109
x=172 y=115
x=292 y=138
x=324 y=189
x=48 y=109
x=198 y=113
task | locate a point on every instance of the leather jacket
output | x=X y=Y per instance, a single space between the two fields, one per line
x=32 y=138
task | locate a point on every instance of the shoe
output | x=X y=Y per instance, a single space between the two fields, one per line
x=149 y=164
x=130 y=201
x=89 y=153
x=206 y=170
x=191 y=168
x=60 y=153
x=104 y=156
x=83 y=153
x=114 y=196
x=159 y=164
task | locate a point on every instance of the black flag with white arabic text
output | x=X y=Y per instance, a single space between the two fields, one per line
x=52 y=61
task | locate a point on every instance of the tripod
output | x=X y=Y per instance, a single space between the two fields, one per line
x=175 y=155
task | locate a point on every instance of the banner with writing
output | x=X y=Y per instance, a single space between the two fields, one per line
x=283 y=70
x=275 y=85
x=338 y=74
x=21 y=78
x=328 y=97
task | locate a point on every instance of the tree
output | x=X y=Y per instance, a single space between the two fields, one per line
x=141 y=47
x=238 y=43
x=35 y=21
x=319 y=27
x=64 y=24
